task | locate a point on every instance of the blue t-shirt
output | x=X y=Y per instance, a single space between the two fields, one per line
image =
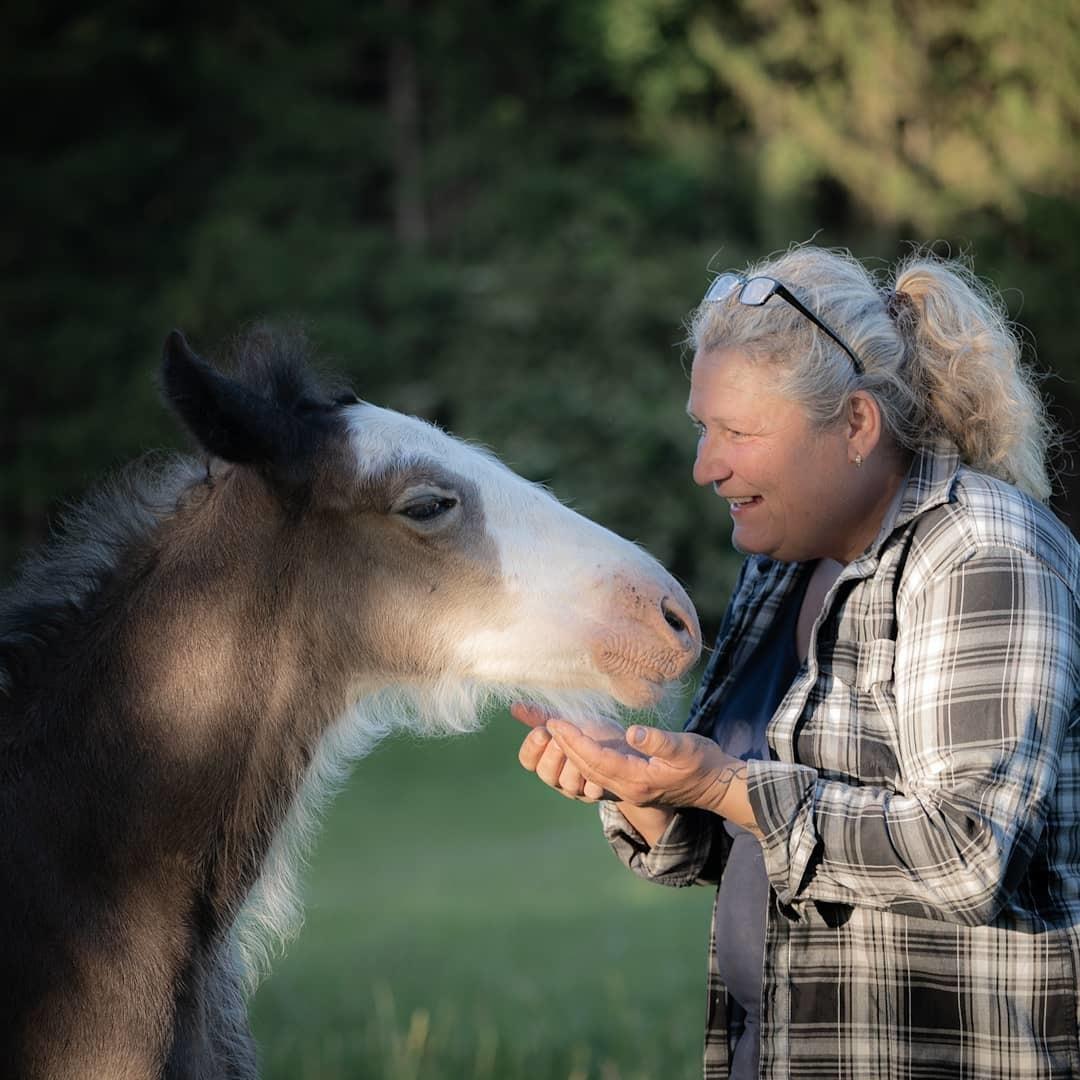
x=739 y=729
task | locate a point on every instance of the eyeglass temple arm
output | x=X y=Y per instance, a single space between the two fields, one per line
x=794 y=302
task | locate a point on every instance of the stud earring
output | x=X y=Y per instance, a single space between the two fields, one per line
x=858 y=460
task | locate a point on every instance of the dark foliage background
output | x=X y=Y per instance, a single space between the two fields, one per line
x=496 y=215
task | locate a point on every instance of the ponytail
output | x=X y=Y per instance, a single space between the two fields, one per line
x=964 y=362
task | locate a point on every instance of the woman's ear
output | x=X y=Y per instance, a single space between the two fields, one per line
x=864 y=425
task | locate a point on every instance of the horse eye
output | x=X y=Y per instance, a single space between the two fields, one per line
x=429 y=508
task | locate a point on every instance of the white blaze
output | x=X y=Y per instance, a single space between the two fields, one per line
x=580 y=606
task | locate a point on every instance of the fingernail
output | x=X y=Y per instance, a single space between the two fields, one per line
x=636 y=735
x=557 y=726
x=539 y=735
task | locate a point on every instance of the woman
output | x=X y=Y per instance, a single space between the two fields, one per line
x=881 y=768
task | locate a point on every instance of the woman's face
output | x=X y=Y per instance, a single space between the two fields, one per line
x=789 y=485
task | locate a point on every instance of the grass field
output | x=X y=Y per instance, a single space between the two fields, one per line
x=463 y=922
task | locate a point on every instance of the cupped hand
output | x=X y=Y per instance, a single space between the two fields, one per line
x=542 y=755
x=652 y=767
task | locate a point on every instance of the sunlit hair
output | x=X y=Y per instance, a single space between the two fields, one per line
x=944 y=366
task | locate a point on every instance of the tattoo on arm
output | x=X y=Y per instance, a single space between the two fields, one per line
x=734 y=805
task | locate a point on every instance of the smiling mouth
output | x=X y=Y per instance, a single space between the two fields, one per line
x=742 y=502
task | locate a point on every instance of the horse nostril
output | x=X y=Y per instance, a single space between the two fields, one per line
x=673 y=617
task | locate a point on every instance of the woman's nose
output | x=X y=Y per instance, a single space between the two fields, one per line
x=709 y=465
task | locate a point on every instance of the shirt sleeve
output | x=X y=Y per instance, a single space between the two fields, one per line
x=985 y=691
x=691 y=851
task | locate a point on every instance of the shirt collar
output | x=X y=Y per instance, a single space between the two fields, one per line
x=929 y=484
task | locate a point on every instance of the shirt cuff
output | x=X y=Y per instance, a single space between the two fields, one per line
x=679 y=856
x=782 y=798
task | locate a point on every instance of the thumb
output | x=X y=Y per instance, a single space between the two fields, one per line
x=653 y=741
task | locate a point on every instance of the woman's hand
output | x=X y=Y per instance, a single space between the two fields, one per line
x=540 y=754
x=657 y=768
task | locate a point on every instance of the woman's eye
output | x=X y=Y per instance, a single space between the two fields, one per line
x=429 y=508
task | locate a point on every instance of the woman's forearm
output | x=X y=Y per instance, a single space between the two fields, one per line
x=650 y=821
x=728 y=796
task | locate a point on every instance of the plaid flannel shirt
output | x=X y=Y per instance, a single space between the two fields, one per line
x=921 y=808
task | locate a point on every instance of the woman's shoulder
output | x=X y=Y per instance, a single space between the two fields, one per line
x=985 y=515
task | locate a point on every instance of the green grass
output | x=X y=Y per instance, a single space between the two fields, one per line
x=463 y=922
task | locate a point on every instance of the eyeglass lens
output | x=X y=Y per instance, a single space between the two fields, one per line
x=757 y=290
x=723 y=286
x=753 y=292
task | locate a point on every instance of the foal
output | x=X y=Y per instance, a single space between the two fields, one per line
x=188 y=672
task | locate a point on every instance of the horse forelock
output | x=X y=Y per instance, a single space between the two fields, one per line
x=275 y=362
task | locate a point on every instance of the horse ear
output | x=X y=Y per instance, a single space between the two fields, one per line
x=227 y=419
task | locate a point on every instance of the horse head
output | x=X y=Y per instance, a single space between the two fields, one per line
x=432 y=567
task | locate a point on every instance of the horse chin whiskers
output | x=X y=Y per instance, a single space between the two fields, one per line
x=273 y=912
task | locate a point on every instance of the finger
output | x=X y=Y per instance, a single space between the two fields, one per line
x=600 y=729
x=568 y=779
x=530 y=715
x=654 y=742
x=559 y=774
x=550 y=765
x=606 y=766
x=533 y=747
x=571 y=782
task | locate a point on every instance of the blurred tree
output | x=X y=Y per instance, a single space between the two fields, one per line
x=954 y=123
x=495 y=216
x=923 y=112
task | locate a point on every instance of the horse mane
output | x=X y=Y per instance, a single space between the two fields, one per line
x=56 y=583
x=94 y=536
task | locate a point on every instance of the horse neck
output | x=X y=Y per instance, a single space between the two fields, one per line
x=220 y=682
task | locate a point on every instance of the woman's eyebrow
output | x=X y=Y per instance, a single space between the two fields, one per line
x=723 y=421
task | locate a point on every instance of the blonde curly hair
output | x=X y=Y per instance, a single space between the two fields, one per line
x=941 y=357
